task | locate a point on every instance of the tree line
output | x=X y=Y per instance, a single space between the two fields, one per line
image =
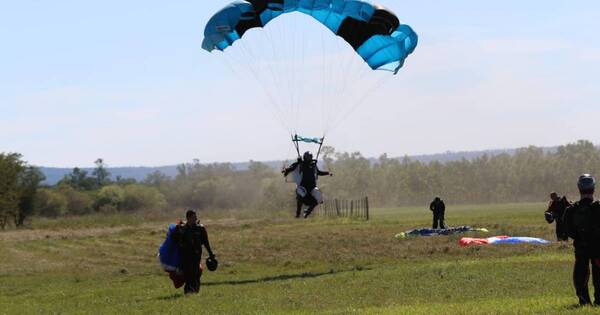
x=529 y=174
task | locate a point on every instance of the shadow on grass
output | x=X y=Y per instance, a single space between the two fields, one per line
x=304 y=275
x=171 y=297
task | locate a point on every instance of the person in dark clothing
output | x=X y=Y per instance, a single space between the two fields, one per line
x=190 y=238
x=555 y=213
x=583 y=226
x=438 y=208
x=307 y=183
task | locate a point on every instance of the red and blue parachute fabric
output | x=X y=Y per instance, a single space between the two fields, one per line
x=466 y=241
x=170 y=258
x=374 y=32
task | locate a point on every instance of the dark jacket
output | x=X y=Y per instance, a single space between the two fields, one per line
x=190 y=239
x=582 y=220
x=308 y=171
x=557 y=208
x=437 y=206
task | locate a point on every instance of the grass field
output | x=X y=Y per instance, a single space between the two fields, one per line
x=107 y=265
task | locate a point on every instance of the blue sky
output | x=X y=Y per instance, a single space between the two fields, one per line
x=129 y=82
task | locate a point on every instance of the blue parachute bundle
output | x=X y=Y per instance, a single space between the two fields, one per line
x=374 y=32
x=436 y=232
x=168 y=253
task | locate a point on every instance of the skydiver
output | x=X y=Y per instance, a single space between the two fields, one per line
x=438 y=208
x=555 y=212
x=306 y=189
x=583 y=226
x=190 y=238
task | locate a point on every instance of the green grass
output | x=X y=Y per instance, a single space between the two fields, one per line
x=107 y=265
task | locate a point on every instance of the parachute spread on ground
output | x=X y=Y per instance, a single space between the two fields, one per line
x=436 y=232
x=466 y=241
x=301 y=69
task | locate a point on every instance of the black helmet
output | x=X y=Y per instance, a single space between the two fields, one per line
x=212 y=263
x=307 y=156
x=586 y=183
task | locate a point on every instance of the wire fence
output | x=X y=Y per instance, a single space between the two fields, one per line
x=341 y=208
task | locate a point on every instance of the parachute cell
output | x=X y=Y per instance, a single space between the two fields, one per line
x=374 y=32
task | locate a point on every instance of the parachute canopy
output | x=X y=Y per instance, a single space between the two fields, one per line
x=168 y=253
x=466 y=241
x=374 y=32
x=436 y=232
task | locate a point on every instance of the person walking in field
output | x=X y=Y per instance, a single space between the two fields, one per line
x=190 y=238
x=438 y=208
x=555 y=213
x=583 y=226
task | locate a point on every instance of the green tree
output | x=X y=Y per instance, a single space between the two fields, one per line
x=29 y=181
x=101 y=173
x=50 y=203
x=11 y=167
x=109 y=199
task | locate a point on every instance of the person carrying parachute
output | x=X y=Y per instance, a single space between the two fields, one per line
x=181 y=253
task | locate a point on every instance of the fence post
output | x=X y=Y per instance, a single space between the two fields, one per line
x=352 y=208
x=367 y=207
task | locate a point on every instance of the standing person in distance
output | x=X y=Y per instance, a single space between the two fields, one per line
x=555 y=213
x=438 y=208
x=190 y=238
x=583 y=226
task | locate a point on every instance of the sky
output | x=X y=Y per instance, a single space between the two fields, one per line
x=128 y=81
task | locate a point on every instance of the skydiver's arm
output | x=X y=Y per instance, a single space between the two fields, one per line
x=206 y=242
x=322 y=173
x=290 y=169
x=431 y=206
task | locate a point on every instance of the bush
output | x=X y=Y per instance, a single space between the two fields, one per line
x=109 y=197
x=137 y=197
x=50 y=203
x=275 y=196
x=78 y=202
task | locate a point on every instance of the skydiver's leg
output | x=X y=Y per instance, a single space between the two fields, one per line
x=191 y=271
x=561 y=233
x=581 y=277
x=596 y=281
x=312 y=204
x=298 y=206
x=435 y=220
x=442 y=224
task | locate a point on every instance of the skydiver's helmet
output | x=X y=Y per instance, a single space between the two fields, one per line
x=307 y=157
x=586 y=184
x=212 y=263
x=553 y=195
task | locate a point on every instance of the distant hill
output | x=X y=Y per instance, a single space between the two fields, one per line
x=53 y=175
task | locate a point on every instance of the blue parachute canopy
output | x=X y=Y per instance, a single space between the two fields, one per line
x=374 y=32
